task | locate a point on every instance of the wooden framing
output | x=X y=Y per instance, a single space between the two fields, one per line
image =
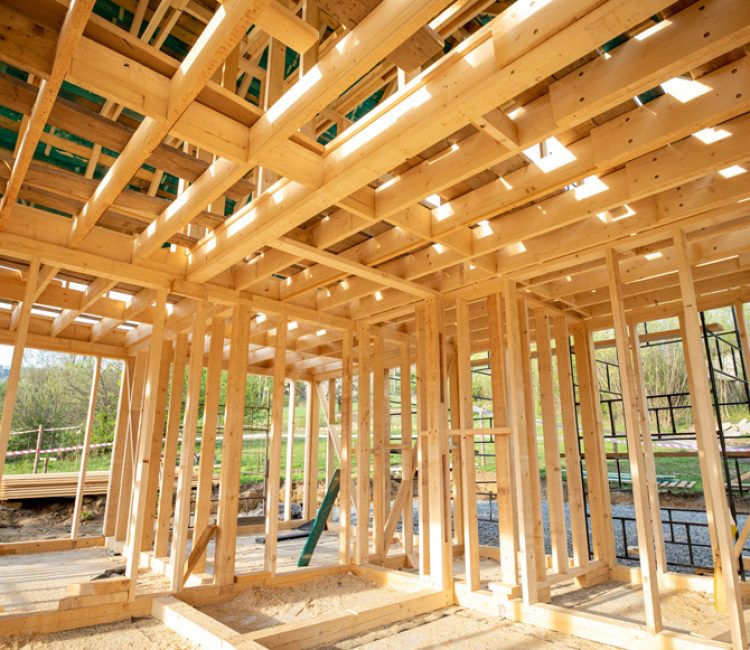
x=474 y=184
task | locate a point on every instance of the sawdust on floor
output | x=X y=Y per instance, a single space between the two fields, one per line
x=462 y=629
x=139 y=634
x=262 y=607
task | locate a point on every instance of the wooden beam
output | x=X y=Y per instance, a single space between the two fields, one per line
x=362 y=542
x=72 y=28
x=345 y=477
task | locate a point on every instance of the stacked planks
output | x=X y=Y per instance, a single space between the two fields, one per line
x=56 y=484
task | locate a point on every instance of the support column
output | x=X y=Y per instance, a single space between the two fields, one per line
x=14 y=376
x=146 y=432
x=576 y=504
x=600 y=507
x=407 y=460
x=345 y=476
x=522 y=472
x=380 y=444
x=231 y=449
x=717 y=507
x=208 y=435
x=149 y=516
x=290 y=452
x=187 y=449
x=435 y=446
x=646 y=549
x=118 y=449
x=78 y=506
x=466 y=442
x=274 y=451
x=362 y=544
x=555 y=503
x=422 y=464
x=312 y=435
x=131 y=443
x=169 y=459
x=506 y=498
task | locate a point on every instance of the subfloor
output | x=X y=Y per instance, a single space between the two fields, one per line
x=463 y=629
x=140 y=634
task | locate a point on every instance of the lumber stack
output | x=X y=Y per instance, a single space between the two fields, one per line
x=57 y=484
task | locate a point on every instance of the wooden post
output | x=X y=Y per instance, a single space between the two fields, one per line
x=576 y=506
x=602 y=535
x=208 y=436
x=149 y=517
x=455 y=449
x=646 y=549
x=422 y=464
x=289 y=452
x=523 y=478
x=274 y=451
x=717 y=508
x=345 y=476
x=648 y=451
x=535 y=496
x=506 y=500
x=380 y=442
x=231 y=449
x=38 y=447
x=555 y=503
x=407 y=522
x=312 y=427
x=330 y=449
x=78 y=506
x=118 y=449
x=435 y=443
x=739 y=312
x=14 y=376
x=363 y=444
x=466 y=442
x=148 y=422
x=169 y=460
x=187 y=449
x=131 y=442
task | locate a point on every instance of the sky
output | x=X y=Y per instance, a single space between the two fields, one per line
x=6 y=352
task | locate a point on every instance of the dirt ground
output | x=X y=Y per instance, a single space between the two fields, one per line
x=139 y=634
x=48 y=518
